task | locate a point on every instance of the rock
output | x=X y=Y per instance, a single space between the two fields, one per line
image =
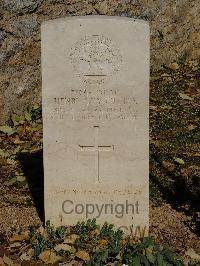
x=89 y=10
x=102 y=7
x=26 y=27
x=3 y=35
x=71 y=9
x=22 y=6
x=147 y=14
x=23 y=89
x=9 y=49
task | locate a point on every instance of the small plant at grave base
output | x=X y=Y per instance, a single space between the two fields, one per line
x=47 y=240
x=36 y=112
x=149 y=253
x=84 y=229
x=99 y=246
x=37 y=241
x=111 y=249
x=55 y=235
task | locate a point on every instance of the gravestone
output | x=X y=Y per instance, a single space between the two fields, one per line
x=95 y=78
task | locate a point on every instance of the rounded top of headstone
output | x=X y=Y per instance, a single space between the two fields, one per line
x=96 y=18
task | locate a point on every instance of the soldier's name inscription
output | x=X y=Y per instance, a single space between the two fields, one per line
x=89 y=104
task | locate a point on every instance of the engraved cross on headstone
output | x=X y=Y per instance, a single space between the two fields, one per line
x=96 y=148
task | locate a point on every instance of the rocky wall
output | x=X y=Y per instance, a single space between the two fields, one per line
x=175 y=37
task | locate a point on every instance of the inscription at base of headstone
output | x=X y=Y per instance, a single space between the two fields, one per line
x=95 y=75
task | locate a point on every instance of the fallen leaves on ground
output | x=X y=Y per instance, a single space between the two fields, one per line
x=49 y=256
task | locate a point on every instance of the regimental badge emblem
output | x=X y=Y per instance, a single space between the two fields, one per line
x=95 y=58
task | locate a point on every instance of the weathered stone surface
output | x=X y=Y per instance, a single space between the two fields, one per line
x=21 y=6
x=25 y=27
x=175 y=27
x=9 y=48
x=26 y=89
x=102 y=7
x=95 y=120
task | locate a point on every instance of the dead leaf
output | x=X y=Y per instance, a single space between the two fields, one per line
x=192 y=91
x=15 y=119
x=3 y=250
x=154 y=108
x=25 y=256
x=168 y=165
x=102 y=243
x=27 y=116
x=11 y=162
x=11 y=182
x=15 y=245
x=2 y=262
x=37 y=128
x=71 y=239
x=152 y=78
x=165 y=75
x=18 y=119
x=3 y=161
x=193 y=255
x=41 y=230
x=18 y=141
x=15 y=199
x=166 y=107
x=4 y=154
x=185 y=96
x=19 y=238
x=81 y=254
x=174 y=66
x=49 y=256
x=30 y=252
x=8 y=261
x=157 y=143
x=191 y=126
x=21 y=178
x=179 y=160
x=64 y=247
x=7 y=130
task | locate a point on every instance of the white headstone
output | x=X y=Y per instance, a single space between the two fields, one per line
x=95 y=76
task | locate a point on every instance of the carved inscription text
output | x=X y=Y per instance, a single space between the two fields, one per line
x=100 y=104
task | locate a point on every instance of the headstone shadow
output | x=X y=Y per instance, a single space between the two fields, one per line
x=32 y=165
